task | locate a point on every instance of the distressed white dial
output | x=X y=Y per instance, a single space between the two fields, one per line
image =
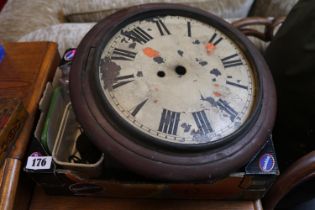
x=177 y=79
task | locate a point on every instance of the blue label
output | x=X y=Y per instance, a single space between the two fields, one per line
x=266 y=162
x=2 y=53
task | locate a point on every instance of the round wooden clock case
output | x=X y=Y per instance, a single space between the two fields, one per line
x=172 y=92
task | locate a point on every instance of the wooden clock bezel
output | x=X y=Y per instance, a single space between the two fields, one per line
x=157 y=161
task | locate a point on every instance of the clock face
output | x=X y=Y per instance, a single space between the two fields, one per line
x=176 y=79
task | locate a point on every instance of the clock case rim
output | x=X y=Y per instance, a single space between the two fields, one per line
x=152 y=160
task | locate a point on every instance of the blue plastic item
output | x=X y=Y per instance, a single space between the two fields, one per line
x=2 y=53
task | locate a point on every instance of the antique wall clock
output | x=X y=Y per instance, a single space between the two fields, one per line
x=172 y=92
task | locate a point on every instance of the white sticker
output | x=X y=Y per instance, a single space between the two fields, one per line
x=39 y=163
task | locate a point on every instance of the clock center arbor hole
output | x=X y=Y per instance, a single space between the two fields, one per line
x=161 y=73
x=180 y=70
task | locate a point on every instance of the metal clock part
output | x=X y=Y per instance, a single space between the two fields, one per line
x=172 y=92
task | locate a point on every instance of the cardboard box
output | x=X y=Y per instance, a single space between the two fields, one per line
x=250 y=183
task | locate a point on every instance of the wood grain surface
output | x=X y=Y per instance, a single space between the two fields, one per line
x=42 y=201
x=24 y=73
x=9 y=182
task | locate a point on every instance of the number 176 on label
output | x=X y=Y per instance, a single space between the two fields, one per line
x=39 y=163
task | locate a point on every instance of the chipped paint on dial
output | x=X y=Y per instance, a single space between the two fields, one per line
x=186 y=87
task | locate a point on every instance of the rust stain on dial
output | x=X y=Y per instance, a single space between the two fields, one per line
x=110 y=71
x=150 y=52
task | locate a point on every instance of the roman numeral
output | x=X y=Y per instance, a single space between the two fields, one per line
x=169 y=122
x=162 y=28
x=224 y=106
x=236 y=85
x=202 y=122
x=231 y=61
x=138 y=107
x=125 y=55
x=189 y=29
x=138 y=35
x=122 y=80
x=215 y=39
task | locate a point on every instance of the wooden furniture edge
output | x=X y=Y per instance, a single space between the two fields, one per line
x=48 y=64
x=11 y=169
x=270 y=26
x=9 y=183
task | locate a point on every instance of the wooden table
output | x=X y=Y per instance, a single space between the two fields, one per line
x=23 y=73
x=41 y=200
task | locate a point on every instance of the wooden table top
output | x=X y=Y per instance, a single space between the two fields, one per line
x=20 y=74
x=42 y=201
x=24 y=73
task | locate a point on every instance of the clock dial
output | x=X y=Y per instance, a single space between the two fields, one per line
x=177 y=79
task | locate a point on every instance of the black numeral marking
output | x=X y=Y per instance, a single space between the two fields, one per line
x=215 y=39
x=202 y=122
x=169 y=122
x=119 y=54
x=231 y=61
x=122 y=80
x=138 y=35
x=224 y=106
x=162 y=28
x=236 y=85
x=188 y=29
x=138 y=107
